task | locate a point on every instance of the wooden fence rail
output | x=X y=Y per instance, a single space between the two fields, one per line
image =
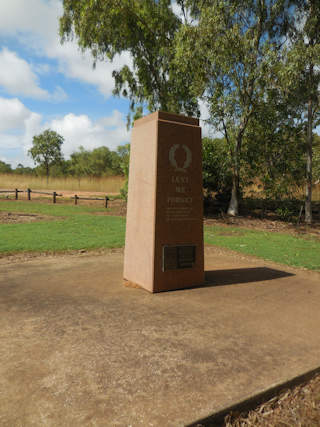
x=54 y=195
x=76 y=198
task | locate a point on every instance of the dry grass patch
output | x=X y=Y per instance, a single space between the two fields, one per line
x=107 y=184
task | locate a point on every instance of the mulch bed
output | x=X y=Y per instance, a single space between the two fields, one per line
x=19 y=218
x=299 y=406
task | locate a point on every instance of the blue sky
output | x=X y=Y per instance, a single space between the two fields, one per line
x=44 y=84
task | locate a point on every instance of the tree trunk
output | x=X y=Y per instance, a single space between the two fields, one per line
x=233 y=208
x=47 y=173
x=308 y=201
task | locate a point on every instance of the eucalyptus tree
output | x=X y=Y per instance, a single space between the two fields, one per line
x=231 y=49
x=273 y=151
x=302 y=76
x=46 y=149
x=144 y=29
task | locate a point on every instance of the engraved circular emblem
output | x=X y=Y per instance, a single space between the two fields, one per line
x=172 y=159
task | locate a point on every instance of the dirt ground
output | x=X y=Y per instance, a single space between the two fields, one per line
x=299 y=406
x=77 y=348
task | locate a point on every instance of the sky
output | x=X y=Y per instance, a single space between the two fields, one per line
x=44 y=84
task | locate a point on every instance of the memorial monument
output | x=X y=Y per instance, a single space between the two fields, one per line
x=164 y=233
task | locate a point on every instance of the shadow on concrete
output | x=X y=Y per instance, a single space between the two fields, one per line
x=242 y=275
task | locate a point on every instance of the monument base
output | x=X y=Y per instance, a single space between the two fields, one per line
x=130 y=284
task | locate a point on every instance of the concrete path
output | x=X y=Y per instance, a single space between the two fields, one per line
x=77 y=348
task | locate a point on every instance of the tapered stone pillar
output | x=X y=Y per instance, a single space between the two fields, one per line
x=164 y=234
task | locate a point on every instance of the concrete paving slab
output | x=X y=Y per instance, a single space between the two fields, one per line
x=78 y=348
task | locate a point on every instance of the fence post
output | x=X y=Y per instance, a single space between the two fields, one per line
x=17 y=192
x=75 y=199
x=107 y=198
x=29 y=193
x=54 y=197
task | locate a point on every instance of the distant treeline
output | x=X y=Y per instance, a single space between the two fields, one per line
x=98 y=162
x=277 y=166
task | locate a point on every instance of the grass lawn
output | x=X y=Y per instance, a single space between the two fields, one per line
x=78 y=227
x=75 y=228
x=278 y=247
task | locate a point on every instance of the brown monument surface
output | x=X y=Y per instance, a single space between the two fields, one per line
x=164 y=234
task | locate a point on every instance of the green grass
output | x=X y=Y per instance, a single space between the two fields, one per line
x=278 y=247
x=75 y=228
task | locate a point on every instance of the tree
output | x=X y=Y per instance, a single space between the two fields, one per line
x=123 y=152
x=230 y=50
x=316 y=170
x=144 y=29
x=101 y=161
x=23 y=170
x=5 y=167
x=216 y=166
x=46 y=150
x=303 y=61
x=79 y=163
x=273 y=153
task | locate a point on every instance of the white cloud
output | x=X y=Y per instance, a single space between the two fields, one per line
x=41 y=68
x=12 y=114
x=81 y=130
x=18 y=125
x=78 y=65
x=37 y=27
x=37 y=17
x=17 y=77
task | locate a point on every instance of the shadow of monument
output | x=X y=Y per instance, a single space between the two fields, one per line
x=242 y=275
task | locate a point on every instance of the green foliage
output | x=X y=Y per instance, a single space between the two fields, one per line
x=46 y=149
x=301 y=75
x=145 y=30
x=286 y=213
x=5 y=167
x=316 y=158
x=124 y=191
x=101 y=161
x=23 y=170
x=216 y=166
x=230 y=50
x=274 y=148
x=124 y=155
x=98 y=162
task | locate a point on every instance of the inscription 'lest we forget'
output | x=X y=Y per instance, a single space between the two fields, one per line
x=179 y=198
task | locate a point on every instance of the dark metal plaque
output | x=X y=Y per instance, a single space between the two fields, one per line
x=178 y=257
